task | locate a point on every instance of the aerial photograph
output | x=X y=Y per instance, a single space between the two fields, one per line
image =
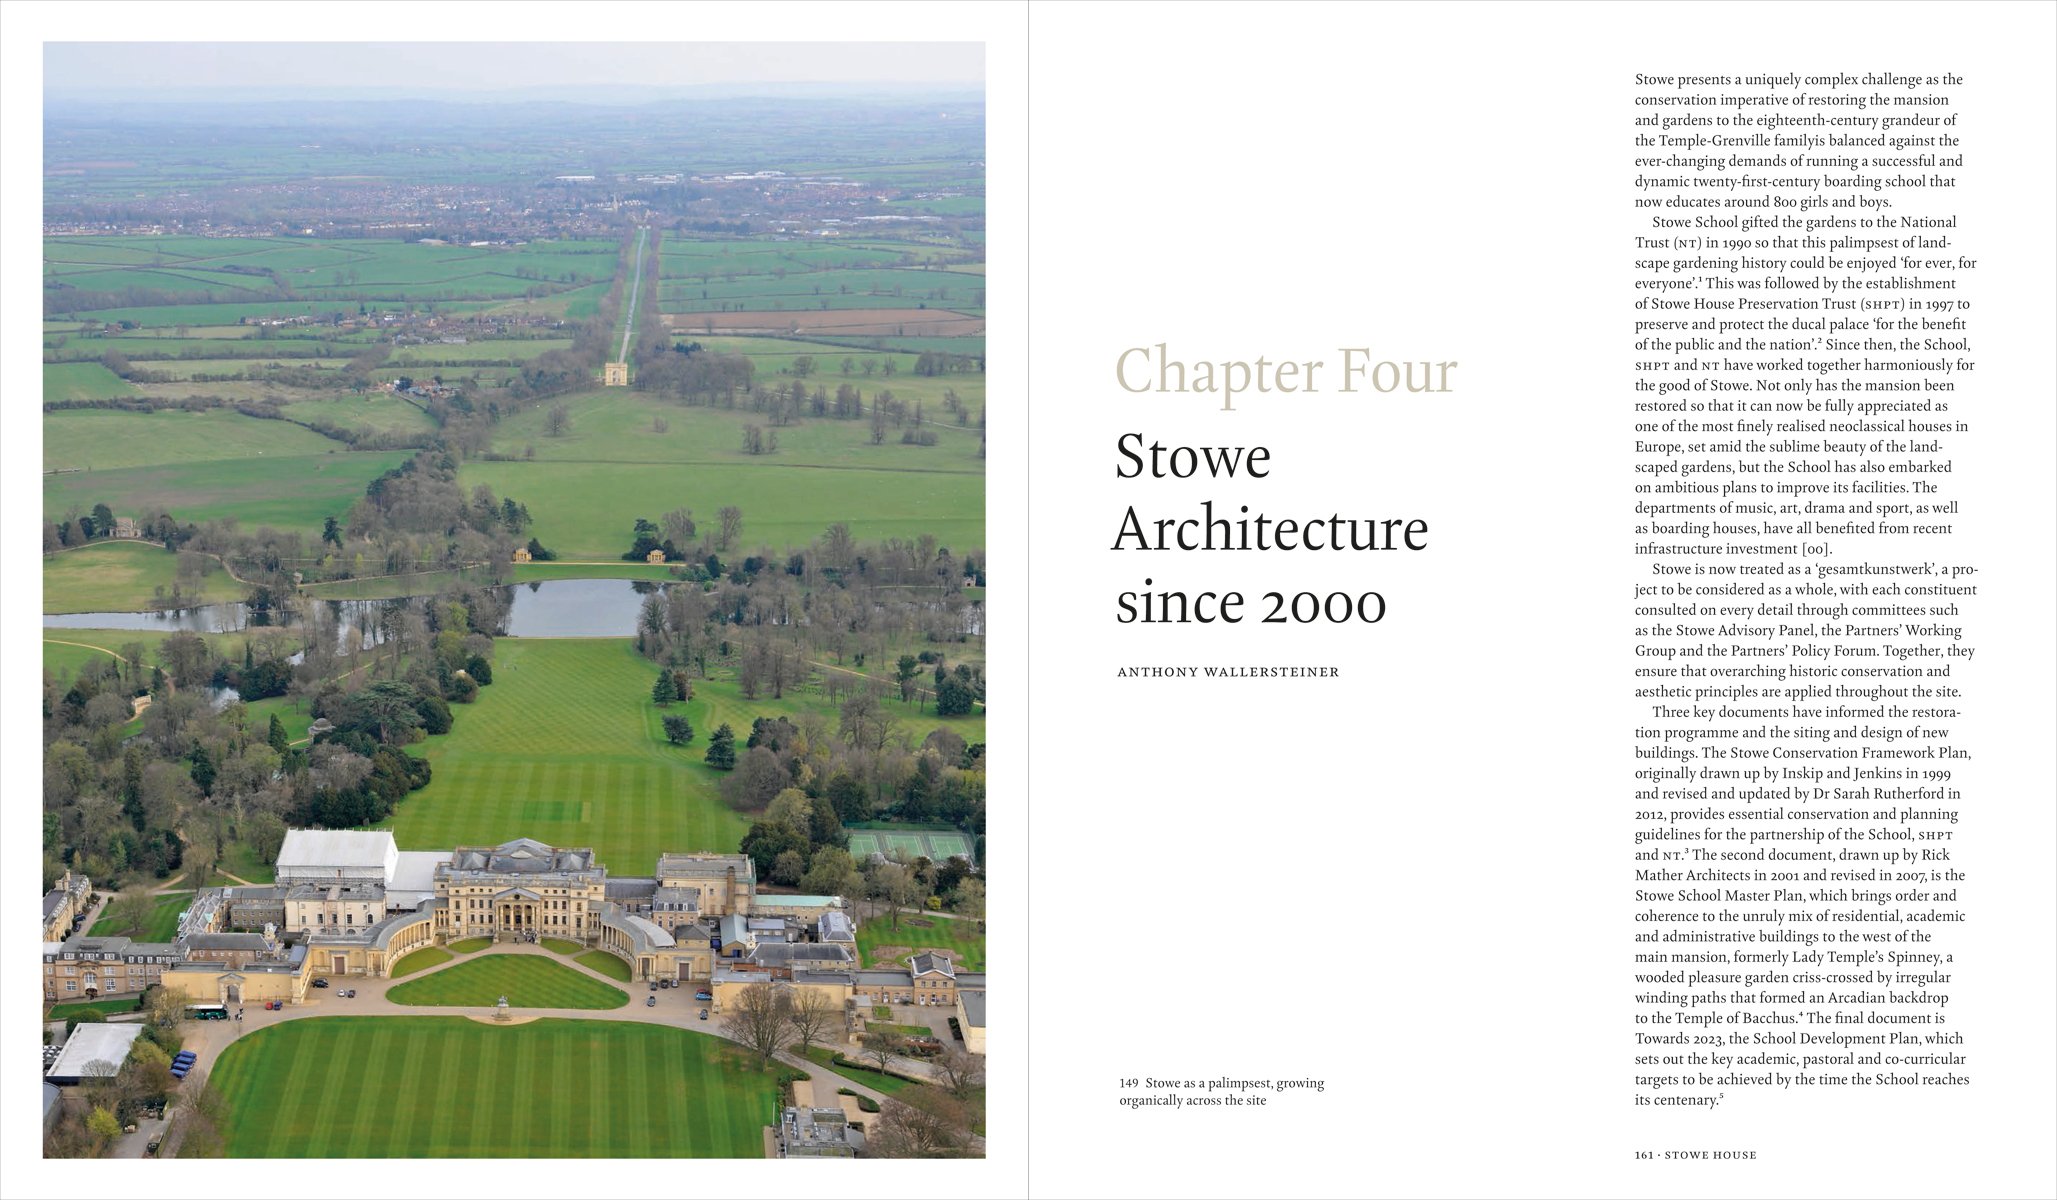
x=514 y=600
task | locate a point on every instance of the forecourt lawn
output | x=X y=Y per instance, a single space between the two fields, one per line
x=453 y=1087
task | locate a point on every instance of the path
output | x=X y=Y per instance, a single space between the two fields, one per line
x=133 y=1145
x=628 y=329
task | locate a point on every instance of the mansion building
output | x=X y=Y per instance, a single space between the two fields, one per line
x=351 y=903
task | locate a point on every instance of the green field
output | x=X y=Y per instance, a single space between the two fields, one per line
x=584 y=512
x=377 y=412
x=959 y=939
x=447 y=1087
x=83 y=381
x=617 y=426
x=293 y=493
x=340 y=274
x=606 y=963
x=565 y=747
x=471 y=945
x=162 y=926
x=420 y=960
x=528 y=981
x=562 y=946
x=99 y=439
x=123 y=576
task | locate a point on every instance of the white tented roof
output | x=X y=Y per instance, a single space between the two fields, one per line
x=414 y=877
x=98 y=1043
x=313 y=850
x=652 y=930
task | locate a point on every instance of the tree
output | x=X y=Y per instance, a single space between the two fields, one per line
x=862 y=721
x=332 y=532
x=558 y=423
x=953 y=697
x=793 y=808
x=787 y=868
x=960 y=1072
x=679 y=528
x=759 y=777
x=905 y=672
x=677 y=729
x=971 y=901
x=760 y=1019
x=275 y=736
x=265 y=832
x=731 y=527
x=884 y=1048
x=386 y=709
x=129 y=912
x=832 y=873
x=921 y=1122
x=207 y=1114
x=163 y=1008
x=102 y=1125
x=721 y=749
x=665 y=690
x=895 y=884
x=812 y=1016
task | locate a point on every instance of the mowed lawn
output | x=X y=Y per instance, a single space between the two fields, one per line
x=527 y=980
x=123 y=576
x=565 y=747
x=421 y=960
x=961 y=940
x=449 y=1087
x=162 y=925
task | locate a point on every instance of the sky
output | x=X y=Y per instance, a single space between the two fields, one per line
x=101 y=68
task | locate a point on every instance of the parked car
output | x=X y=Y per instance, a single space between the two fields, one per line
x=653 y=985
x=703 y=994
x=703 y=1014
x=650 y=1002
x=322 y=983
